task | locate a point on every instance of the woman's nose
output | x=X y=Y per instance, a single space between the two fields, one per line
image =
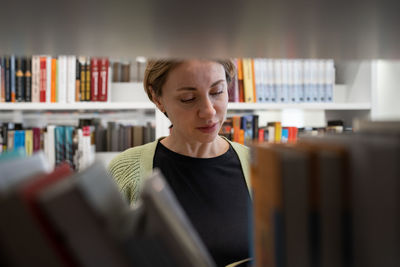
x=206 y=109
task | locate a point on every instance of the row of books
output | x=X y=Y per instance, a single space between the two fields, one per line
x=246 y=130
x=61 y=218
x=74 y=145
x=282 y=80
x=328 y=201
x=47 y=79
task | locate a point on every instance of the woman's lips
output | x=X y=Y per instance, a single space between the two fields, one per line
x=209 y=128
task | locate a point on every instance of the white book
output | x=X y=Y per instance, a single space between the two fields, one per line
x=314 y=80
x=307 y=80
x=329 y=79
x=51 y=145
x=277 y=88
x=258 y=80
x=35 y=79
x=48 y=79
x=62 y=79
x=321 y=81
x=285 y=81
x=298 y=81
x=291 y=89
x=271 y=134
x=269 y=80
x=71 y=77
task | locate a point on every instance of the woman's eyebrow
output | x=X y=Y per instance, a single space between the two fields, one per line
x=217 y=82
x=188 y=88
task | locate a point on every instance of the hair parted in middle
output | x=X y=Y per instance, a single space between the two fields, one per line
x=157 y=71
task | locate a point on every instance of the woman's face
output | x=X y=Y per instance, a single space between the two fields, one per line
x=195 y=97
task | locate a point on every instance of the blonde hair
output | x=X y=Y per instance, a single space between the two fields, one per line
x=157 y=71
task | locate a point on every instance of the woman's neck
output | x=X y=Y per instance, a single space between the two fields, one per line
x=196 y=149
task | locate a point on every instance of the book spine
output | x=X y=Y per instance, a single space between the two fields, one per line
x=103 y=79
x=28 y=79
x=233 y=90
x=35 y=79
x=28 y=142
x=7 y=79
x=258 y=81
x=19 y=77
x=19 y=139
x=94 y=78
x=53 y=98
x=12 y=78
x=36 y=139
x=71 y=73
x=77 y=81
x=82 y=63
x=42 y=80
x=2 y=81
x=59 y=132
x=69 y=144
x=240 y=79
x=62 y=79
x=87 y=80
x=48 y=79
x=248 y=80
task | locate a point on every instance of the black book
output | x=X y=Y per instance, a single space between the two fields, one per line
x=28 y=79
x=20 y=79
x=7 y=68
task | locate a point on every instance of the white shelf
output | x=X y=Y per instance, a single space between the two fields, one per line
x=93 y=106
x=303 y=106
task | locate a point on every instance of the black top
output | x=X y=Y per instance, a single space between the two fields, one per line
x=214 y=195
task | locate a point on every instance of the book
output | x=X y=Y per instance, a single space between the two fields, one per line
x=163 y=235
x=248 y=79
x=28 y=79
x=88 y=211
x=71 y=80
x=19 y=77
x=53 y=81
x=12 y=78
x=7 y=78
x=240 y=79
x=12 y=173
x=24 y=230
x=43 y=79
x=2 y=81
x=103 y=79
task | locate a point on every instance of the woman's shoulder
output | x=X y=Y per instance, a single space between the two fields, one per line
x=129 y=157
x=239 y=148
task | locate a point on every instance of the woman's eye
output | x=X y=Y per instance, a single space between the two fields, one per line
x=217 y=93
x=187 y=100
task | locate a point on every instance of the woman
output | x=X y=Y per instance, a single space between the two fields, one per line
x=207 y=173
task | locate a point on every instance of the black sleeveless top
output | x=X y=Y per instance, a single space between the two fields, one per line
x=214 y=195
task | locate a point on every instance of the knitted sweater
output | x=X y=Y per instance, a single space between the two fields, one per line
x=130 y=167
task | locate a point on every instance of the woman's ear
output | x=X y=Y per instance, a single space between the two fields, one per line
x=157 y=100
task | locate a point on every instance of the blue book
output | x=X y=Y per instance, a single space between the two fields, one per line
x=13 y=154
x=247 y=125
x=69 y=151
x=12 y=77
x=59 y=136
x=19 y=139
x=285 y=135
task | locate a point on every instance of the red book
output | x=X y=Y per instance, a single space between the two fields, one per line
x=43 y=79
x=103 y=79
x=260 y=135
x=94 y=79
x=36 y=139
x=29 y=193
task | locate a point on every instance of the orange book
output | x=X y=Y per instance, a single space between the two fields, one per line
x=240 y=79
x=236 y=128
x=53 y=94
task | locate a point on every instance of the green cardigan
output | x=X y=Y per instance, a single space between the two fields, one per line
x=130 y=167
